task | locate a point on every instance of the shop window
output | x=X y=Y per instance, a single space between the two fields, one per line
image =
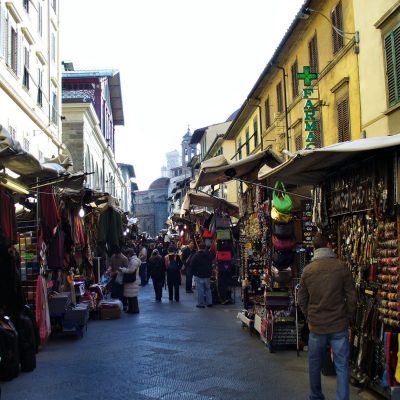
x=25 y=80
x=392 y=58
x=313 y=54
x=39 y=99
x=279 y=98
x=343 y=115
x=267 y=114
x=298 y=142
x=295 y=80
x=337 y=27
x=255 y=130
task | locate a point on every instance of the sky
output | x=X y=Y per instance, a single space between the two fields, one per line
x=183 y=63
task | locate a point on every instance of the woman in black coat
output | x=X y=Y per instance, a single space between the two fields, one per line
x=157 y=272
x=173 y=265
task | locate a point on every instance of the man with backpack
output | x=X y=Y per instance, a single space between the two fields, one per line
x=173 y=265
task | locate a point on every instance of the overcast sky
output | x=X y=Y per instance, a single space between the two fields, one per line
x=182 y=62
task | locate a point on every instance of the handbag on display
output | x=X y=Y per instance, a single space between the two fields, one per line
x=281 y=200
x=222 y=222
x=224 y=255
x=281 y=276
x=277 y=300
x=224 y=245
x=282 y=259
x=223 y=234
x=129 y=277
x=283 y=244
x=280 y=217
x=283 y=230
x=207 y=234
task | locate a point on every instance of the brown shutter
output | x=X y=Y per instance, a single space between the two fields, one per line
x=337 y=21
x=267 y=114
x=298 y=142
x=279 y=101
x=313 y=54
x=343 y=113
x=295 y=80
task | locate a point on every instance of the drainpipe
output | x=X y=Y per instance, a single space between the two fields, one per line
x=286 y=110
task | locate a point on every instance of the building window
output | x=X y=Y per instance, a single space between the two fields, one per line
x=53 y=47
x=54 y=108
x=239 y=149
x=54 y=5
x=343 y=115
x=12 y=131
x=247 y=142
x=39 y=99
x=337 y=27
x=25 y=80
x=318 y=133
x=279 y=99
x=26 y=5
x=40 y=19
x=313 y=54
x=392 y=56
x=298 y=142
x=255 y=130
x=40 y=155
x=26 y=145
x=14 y=51
x=295 y=80
x=267 y=114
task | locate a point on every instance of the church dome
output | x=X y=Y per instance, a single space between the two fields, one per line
x=160 y=183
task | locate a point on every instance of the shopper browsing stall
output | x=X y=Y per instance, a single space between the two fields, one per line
x=187 y=253
x=131 y=286
x=327 y=297
x=118 y=261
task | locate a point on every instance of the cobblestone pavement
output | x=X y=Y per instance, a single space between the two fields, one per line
x=170 y=351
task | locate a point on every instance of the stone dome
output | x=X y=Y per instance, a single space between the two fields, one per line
x=160 y=183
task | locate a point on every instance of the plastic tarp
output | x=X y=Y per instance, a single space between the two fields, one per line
x=201 y=199
x=218 y=170
x=310 y=167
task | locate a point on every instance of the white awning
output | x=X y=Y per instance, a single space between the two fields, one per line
x=218 y=169
x=310 y=167
x=202 y=199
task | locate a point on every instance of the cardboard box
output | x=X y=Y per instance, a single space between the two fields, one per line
x=110 y=313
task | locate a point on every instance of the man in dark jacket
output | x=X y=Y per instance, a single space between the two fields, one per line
x=187 y=253
x=327 y=298
x=201 y=264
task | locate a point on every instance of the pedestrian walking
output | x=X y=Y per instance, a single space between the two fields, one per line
x=156 y=266
x=201 y=264
x=131 y=286
x=143 y=265
x=327 y=297
x=118 y=261
x=187 y=253
x=173 y=265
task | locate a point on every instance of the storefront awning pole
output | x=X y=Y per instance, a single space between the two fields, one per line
x=271 y=188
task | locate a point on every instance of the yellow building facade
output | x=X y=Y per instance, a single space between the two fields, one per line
x=323 y=37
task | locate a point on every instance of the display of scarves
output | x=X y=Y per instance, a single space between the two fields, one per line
x=7 y=216
x=42 y=311
x=49 y=213
x=79 y=237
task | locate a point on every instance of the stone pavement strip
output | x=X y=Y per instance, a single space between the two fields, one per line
x=170 y=351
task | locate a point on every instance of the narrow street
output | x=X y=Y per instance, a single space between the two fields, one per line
x=169 y=351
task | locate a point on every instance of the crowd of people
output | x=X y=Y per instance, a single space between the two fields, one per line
x=164 y=263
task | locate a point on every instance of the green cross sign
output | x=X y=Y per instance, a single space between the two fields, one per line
x=307 y=75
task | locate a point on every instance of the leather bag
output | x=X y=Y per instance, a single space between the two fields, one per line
x=281 y=276
x=282 y=260
x=129 y=277
x=281 y=200
x=222 y=222
x=283 y=230
x=280 y=217
x=223 y=234
x=277 y=300
x=283 y=244
x=224 y=255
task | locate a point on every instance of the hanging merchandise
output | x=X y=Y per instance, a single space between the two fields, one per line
x=280 y=217
x=281 y=200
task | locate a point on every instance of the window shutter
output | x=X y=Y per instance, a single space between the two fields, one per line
x=295 y=80
x=267 y=114
x=313 y=54
x=318 y=134
x=343 y=113
x=337 y=21
x=392 y=54
x=299 y=142
x=279 y=97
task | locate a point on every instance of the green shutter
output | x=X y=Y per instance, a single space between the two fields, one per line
x=392 y=55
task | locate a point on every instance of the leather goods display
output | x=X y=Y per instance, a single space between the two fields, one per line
x=223 y=234
x=282 y=259
x=277 y=300
x=282 y=230
x=283 y=244
x=9 y=350
x=222 y=222
x=129 y=277
x=281 y=276
x=281 y=200
x=224 y=255
x=207 y=234
x=280 y=217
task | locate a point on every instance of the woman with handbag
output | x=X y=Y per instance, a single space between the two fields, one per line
x=131 y=286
